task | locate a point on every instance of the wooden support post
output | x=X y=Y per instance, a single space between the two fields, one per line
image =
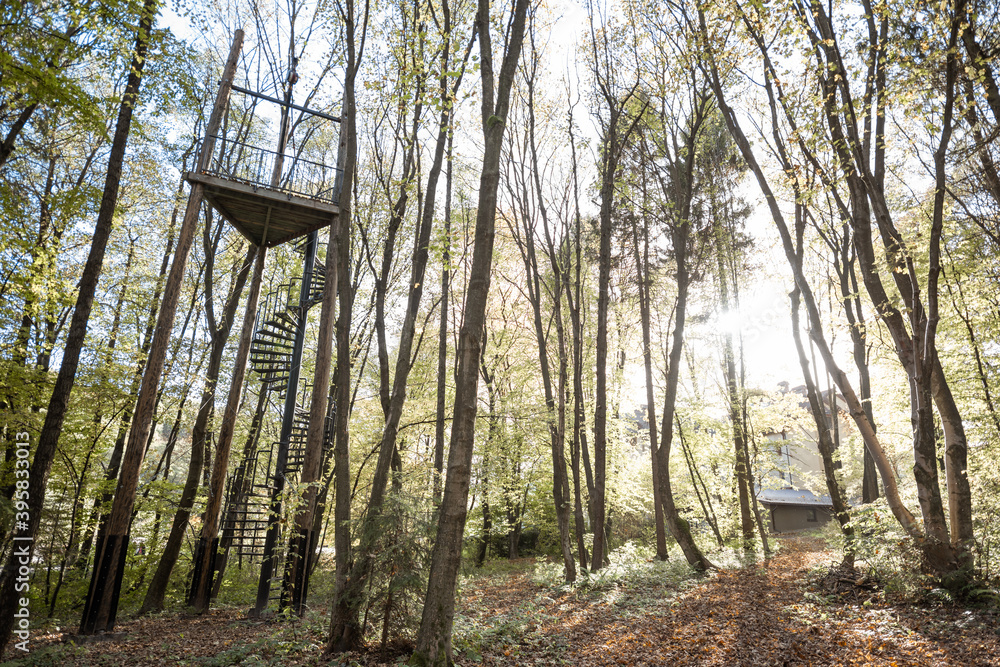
x=205 y=553
x=102 y=599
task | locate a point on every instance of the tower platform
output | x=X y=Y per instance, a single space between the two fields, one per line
x=237 y=185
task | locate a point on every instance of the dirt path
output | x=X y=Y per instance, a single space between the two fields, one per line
x=761 y=616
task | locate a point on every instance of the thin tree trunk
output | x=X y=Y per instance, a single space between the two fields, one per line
x=696 y=479
x=612 y=140
x=443 y=337
x=68 y=551
x=492 y=439
x=574 y=294
x=434 y=636
x=526 y=244
x=42 y=253
x=239 y=489
x=53 y=62
x=609 y=169
x=979 y=61
x=342 y=619
x=484 y=539
x=733 y=398
x=679 y=528
x=644 y=283
x=963 y=314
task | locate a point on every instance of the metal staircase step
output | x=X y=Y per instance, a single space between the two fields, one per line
x=267 y=337
x=269 y=365
x=282 y=321
x=288 y=316
x=270 y=358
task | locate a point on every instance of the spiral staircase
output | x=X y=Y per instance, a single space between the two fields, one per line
x=271 y=357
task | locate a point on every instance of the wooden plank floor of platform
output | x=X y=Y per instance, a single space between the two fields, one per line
x=252 y=208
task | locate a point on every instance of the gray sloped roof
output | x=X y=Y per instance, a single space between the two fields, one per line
x=793 y=497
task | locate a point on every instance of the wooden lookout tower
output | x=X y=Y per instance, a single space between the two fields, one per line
x=270 y=200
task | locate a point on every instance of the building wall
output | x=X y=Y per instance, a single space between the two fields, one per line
x=795 y=459
x=788 y=518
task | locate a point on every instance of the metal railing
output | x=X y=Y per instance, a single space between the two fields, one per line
x=238 y=161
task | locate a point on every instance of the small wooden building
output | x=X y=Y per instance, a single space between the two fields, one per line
x=792 y=510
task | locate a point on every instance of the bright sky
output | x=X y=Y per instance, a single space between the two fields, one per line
x=179 y=25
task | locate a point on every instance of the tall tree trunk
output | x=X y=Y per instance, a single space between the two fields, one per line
x=644 y=283
x=341 y=615
x=609 y=169
x=526 y=243
x=52 y=427
x=102 y=599
x=442 y=360
x=574 y=295
x=434 y=637
x=734 y=400
x=613 y=137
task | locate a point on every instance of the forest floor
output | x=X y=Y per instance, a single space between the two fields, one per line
x=777 y=612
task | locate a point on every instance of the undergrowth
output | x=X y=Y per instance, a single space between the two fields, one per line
x=633 y=583
x=632 y=566
x=890 y=558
